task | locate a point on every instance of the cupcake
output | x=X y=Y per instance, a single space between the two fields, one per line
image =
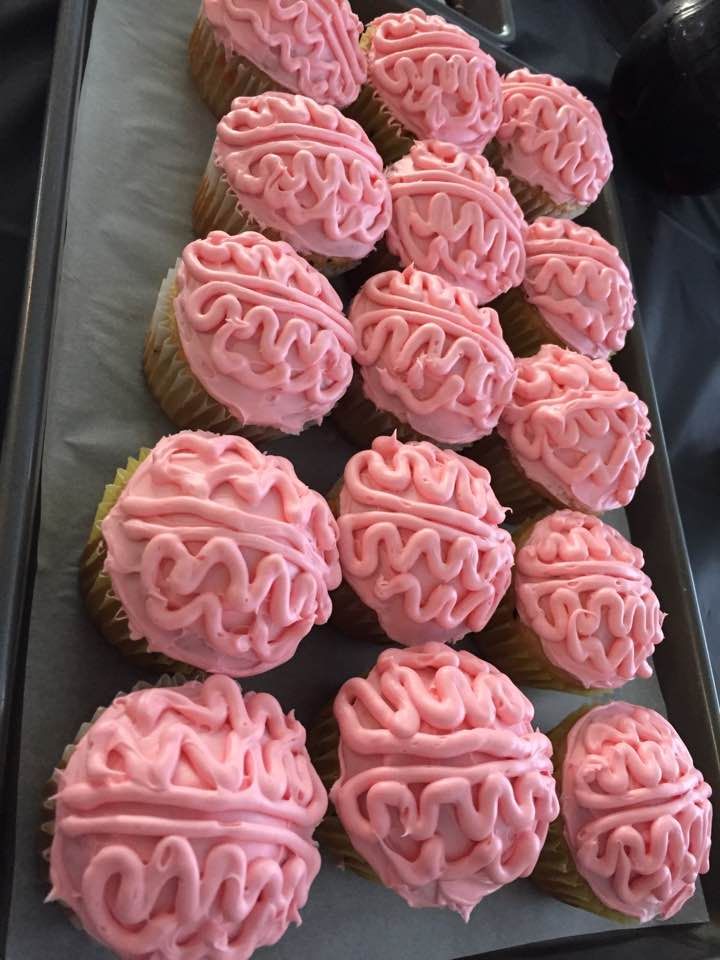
x=432 y=364
x=247 y=338
x=581 y=614
x=576 y=292
x=440 y=787
x=451 y=215
x=634 y=827
x=208 y=554
x=245 y=47
x=573 y=435
x=427 y=80
x=183 y=821
x=294 y=170
x=422 y=552
x=551 y=145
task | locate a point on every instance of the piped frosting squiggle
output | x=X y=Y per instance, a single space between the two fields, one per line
x=580 y=587
x=262 y=330
x=305 y=170
x=576 y=430
x=636 y=811
x=579 y=284
x=219 y=555
x=444 y=789
x=434 y=78
x=453 y=216
x=553 y=137
x=184 y=822
x=308 y=46
x=420 y=541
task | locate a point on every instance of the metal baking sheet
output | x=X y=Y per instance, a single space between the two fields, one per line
x=142 y=142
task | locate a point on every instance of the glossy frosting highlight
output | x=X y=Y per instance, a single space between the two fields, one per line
x=579 y=284
x=576 y=430
x=262 y=330
x=453 y=216
x=637 y=812
x=431 y=356
x=580 y=587
x=220 y=556
x=307 y=46
x=305 y=170
x=445 y=788
x=184 y=822
x=434 y=78
x=419 y=540
x=552 y=136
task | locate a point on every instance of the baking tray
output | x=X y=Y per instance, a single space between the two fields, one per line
x=681 y=663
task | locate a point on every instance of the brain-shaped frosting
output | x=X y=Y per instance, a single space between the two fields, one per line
x=262 y=330
x=636 y=811
x=435 y=78
x=553 y=137
x=307 y=46
x=431 y=356
x=576 y=430
x=579 y=284
x=306 y=171
x=579 y=585
x=445 y=788
x=219 y=555
x=184 y=822
x=453 y=216
x=420 y=542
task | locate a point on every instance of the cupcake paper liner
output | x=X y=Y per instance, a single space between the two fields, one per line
x=216 y=207
x=522 y=324
x=533 y=201
x=361 y=421
x=220 y=77
x=391 y=140
x=182 y=397
x=103 y=607
x=555 y=872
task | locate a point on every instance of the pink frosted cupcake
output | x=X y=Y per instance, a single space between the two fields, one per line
x=297 y=171
x=206 y=553
x=574 y=436
x=440 y=787
x=635 y=816
x=422 y=552
x=247 y=338
x=245 y=47
x=581 y=613
x=551 y=145
x=451 y=215
x=432 y=363
x=576 y=292
x=183 y=821
x=427 y=80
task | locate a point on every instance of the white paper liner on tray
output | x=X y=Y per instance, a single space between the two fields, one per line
x=143 y=139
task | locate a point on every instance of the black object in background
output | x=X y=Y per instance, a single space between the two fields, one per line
x=666 y=96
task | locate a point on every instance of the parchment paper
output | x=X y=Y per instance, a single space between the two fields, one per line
x=142 y=142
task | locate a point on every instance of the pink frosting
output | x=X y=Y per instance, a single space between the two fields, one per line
x=434 y=78
x=580 y=285
x=184 y=822
x=636 y=811
x=419 y=540
x=262 y=330
x=453 y=216
x=553 y=137
x=307 y=46
x=219 y=555
x=445 y=788
x=431 y=356
x=576 y=430
x=580 y=587
x=306 y=171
